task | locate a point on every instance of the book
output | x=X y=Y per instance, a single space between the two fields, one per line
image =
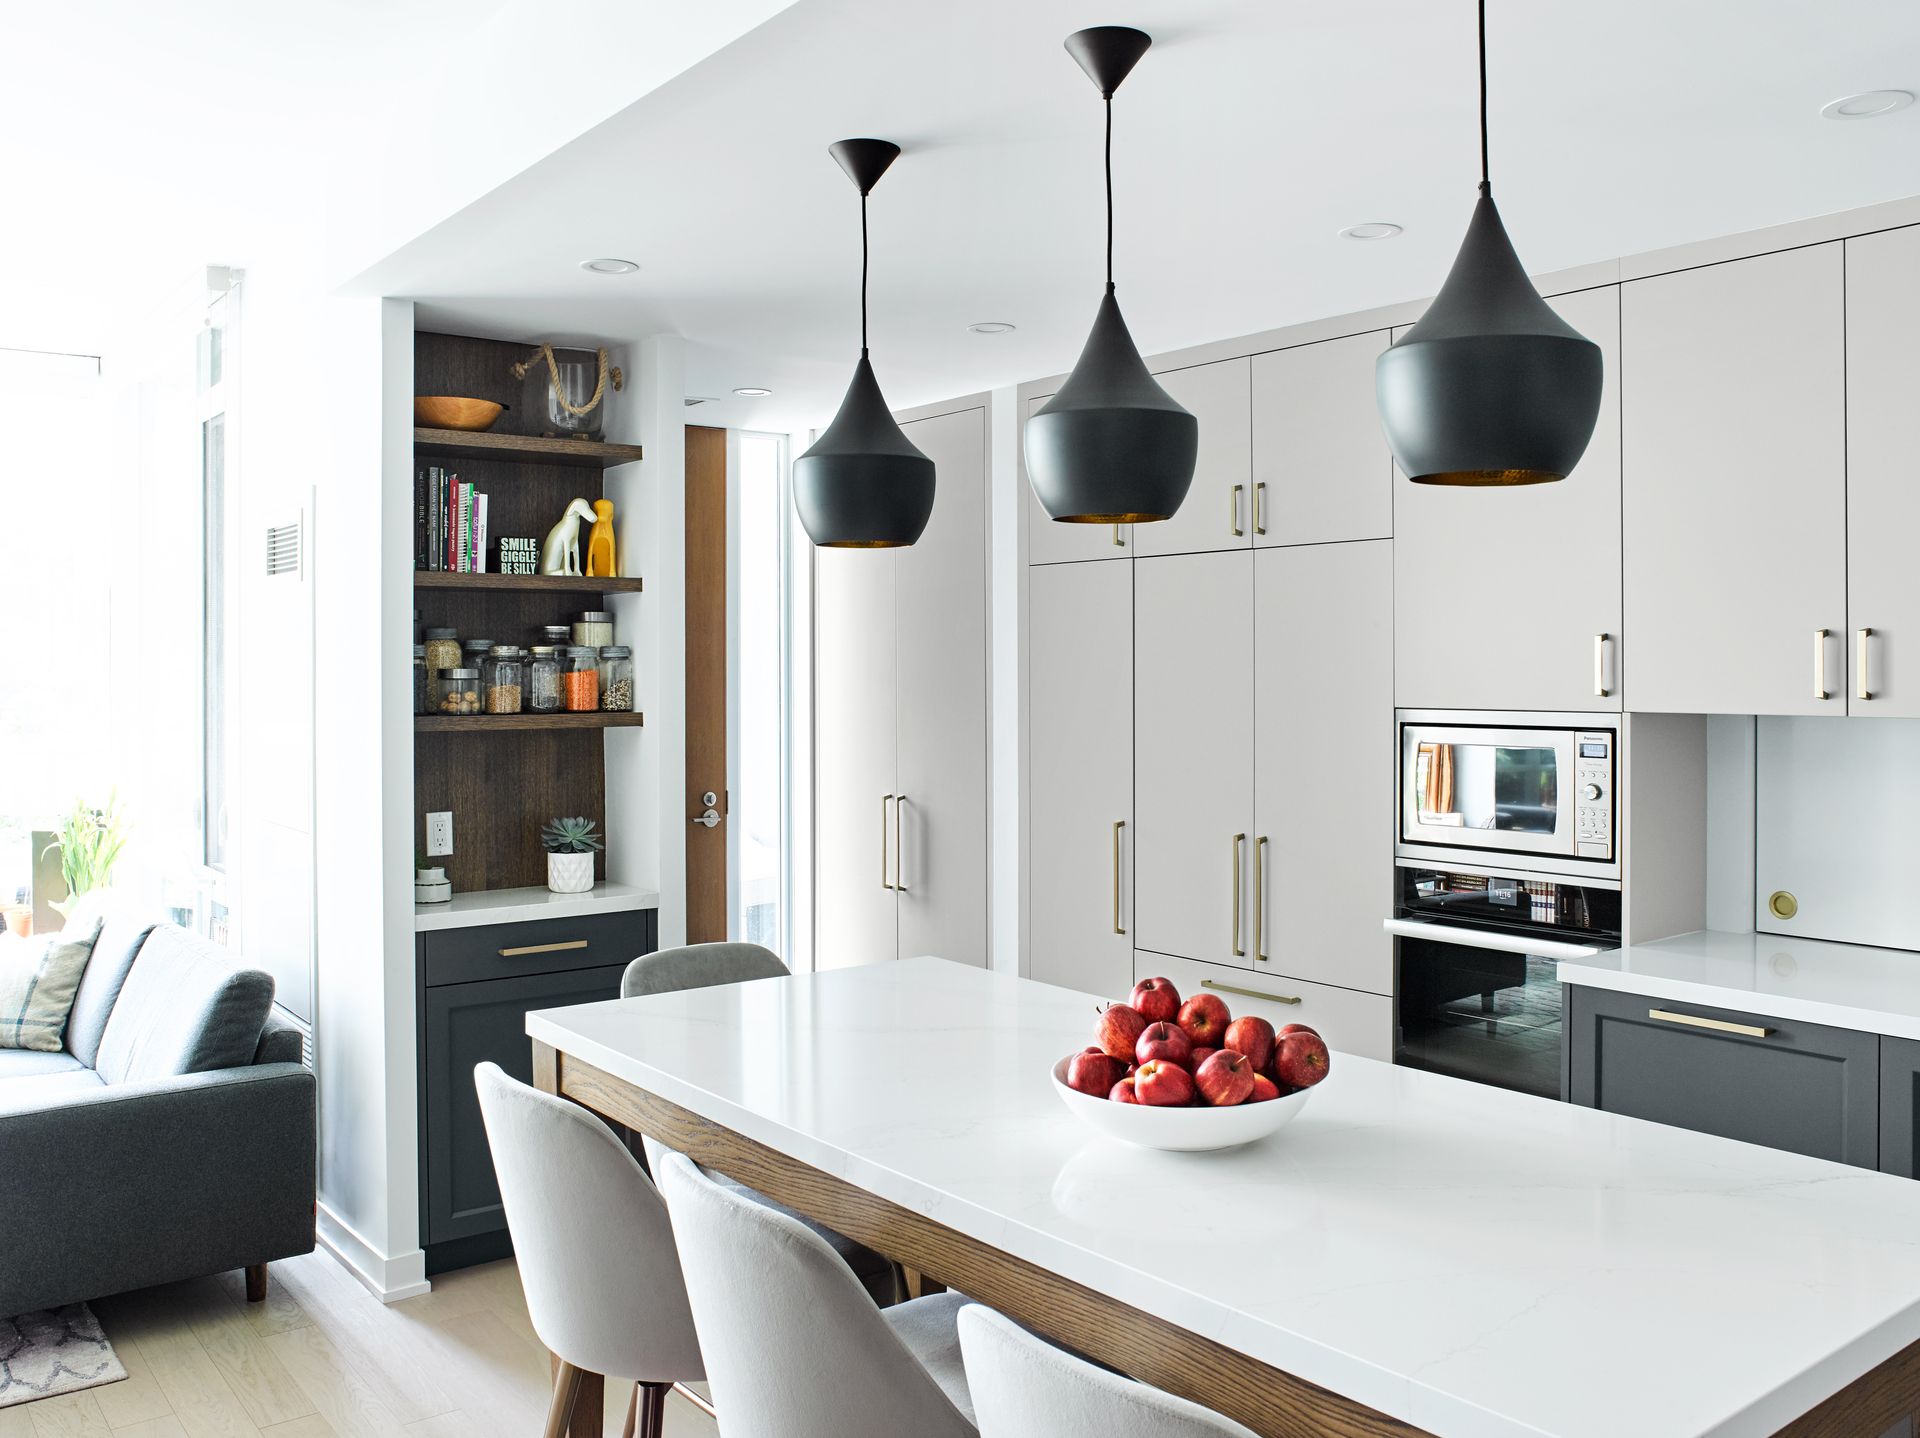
x=480 y=539
x=419 y=518
x=463 y=515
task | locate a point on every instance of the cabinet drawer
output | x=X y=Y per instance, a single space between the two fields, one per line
x=538 y=946
x=1801 y=1087
x=1350 y=1021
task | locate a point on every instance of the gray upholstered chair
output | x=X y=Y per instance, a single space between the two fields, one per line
x=700 y=966
x=793 y=1345
x=595 y=1250
x=1024 y=1387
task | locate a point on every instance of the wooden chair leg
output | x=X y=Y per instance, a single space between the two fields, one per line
x=566 y=1391
x=256 y=1283
x=588 y=1406
x=633 y=1407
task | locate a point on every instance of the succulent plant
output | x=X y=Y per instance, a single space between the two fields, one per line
x=570 y=836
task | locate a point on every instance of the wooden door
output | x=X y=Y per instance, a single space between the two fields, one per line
x=1218 y=510
x=1193 y=752
x=1080 y=838
x=1323 y=763
x=1883 y=473
x=940 y=835
x=1733 y=397
x=1321 y=467
x=1051 y=543
x=1510 y=598
x=706 y=581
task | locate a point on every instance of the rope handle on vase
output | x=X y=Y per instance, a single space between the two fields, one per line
x=523 y=367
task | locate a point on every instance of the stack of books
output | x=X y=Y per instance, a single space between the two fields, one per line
x=450 y=523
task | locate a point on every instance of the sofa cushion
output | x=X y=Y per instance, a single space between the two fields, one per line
x=33 y=1092
x=124 y=927
x=186 y=1007
x=38 y=979
x=19 y=1063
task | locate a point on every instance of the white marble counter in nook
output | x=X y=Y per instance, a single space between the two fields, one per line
x=517 y=906
x=1476 y=1262
x=1848 y=986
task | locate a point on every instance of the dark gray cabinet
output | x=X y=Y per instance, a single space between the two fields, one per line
x=475 y=989
x=1899 y=1111
x=1790 y=1085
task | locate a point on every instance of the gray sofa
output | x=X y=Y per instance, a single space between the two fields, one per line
x=172 y=1137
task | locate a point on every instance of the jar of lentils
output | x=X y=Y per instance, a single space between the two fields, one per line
x=442 y=652
x=460 y=691
x=580 y=680
x=543 y=679
x=616 y=678
x=501 y=678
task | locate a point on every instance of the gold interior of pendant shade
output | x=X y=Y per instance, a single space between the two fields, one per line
x=1488 y=478
x=862 y=544
x=1109 y=518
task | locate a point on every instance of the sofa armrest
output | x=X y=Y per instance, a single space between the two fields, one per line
x=129 y=1185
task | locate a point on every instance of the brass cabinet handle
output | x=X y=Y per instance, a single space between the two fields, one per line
x=1250 y=993
x=542 y=948
x=1118 y=542
x=1239 y=843
x=1600 y=665
x=1233 y=511
x=885 y=799
x=1860 y=664
x=1667 y=1016
x=899 y=849
x=1260 y=899
x=1259 y=508
x=1118 y=825
x=1820 y=664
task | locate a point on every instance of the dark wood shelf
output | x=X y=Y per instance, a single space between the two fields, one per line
x=521 y=723
x=527 y=448
x=524 y=583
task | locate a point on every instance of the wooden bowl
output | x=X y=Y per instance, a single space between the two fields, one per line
x=446 y=411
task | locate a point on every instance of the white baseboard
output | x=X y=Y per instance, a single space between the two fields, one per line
x=387 y=1279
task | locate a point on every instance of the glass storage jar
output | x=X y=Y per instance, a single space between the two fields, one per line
x=593 y=629
x=543 y=679
x=501 y=678
x=475 y=653
x=558 y=635
x=616 y=678
x=420 y=679
x=459 y=691
x=443 y=652
x=580 y=681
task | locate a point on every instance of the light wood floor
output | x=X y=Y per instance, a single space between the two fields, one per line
x=322 y=1358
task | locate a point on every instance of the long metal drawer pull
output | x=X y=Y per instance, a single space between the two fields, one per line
x=542 y=948
x=1260 y=899
x=1233 y=510
x=1600 y=665
x=1239 y=843
x=1860 y=664
x=1260 y=508
x=1118 y=542
x=1820 y=664
x=1250 y=993
x=885 y=799
x=1489 y=939
x=1667 y=1016
x=1118 y=825
x=899 y=849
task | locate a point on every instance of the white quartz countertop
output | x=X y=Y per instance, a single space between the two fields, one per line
x=514 y=906
x=1849 y=986
x=1479 y=1263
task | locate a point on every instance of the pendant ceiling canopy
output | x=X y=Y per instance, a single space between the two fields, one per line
x=1112 y=447
x=1491 y=387
x=863 y=484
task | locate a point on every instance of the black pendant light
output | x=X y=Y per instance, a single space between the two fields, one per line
x=863 y=484
x=1491 y=387
x=1111 y=447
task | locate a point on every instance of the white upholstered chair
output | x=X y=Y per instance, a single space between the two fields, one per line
x=794 y=1346
x=595 y=1249
x=1024 y=1387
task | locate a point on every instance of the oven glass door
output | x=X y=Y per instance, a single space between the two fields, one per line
x=1510 y=790
x=1478 y=1014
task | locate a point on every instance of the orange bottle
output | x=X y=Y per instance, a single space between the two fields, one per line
x=600 y=563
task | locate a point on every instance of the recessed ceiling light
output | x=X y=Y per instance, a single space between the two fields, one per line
x=752 y=391
x=1371 y=230
x=991 y=327
x=1866 y=105
x=609 y=267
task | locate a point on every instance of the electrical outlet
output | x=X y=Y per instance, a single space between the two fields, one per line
x=439 y=834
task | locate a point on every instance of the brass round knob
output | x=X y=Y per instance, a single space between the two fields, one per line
x=1782 y=905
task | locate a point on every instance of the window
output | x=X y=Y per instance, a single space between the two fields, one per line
x=755 y=813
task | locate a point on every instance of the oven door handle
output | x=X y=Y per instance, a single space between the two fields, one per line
x=1489 y=939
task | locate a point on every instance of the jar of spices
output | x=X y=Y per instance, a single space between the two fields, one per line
x=593 y=629
x=543 y=679
x=616 y=678
x=580 y=681
x=500 y=677
x=459 y=691
x=420 y=679
x=442 y=652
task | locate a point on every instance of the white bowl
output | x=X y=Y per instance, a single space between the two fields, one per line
x=1182 y=1130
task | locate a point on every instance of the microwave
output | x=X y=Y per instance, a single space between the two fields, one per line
x=1532 y=791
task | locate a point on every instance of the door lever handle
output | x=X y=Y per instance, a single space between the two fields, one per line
x=708 y=820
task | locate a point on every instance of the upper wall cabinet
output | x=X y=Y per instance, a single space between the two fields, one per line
x=1218 y=510
x=1321 y=467
x=1883 y=497
x=1736 y=486
x=1510 y=598
x=1051 y=543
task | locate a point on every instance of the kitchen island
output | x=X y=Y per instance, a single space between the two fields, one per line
x=1413 y=1254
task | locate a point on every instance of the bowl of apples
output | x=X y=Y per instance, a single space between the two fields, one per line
x=1189 y=1076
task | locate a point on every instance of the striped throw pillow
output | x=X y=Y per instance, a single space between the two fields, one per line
x=38 y=979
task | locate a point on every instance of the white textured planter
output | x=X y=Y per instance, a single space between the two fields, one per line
x=569 y=873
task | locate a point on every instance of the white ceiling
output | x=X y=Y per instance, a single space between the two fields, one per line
x=1249 y=135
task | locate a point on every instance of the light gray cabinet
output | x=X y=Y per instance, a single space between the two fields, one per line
x=1218 y=510
x=1510 y=598
x=1080 y=834
x=1321 y=467
x=1734 y=494
x=1049 y=542
x=1883 y=472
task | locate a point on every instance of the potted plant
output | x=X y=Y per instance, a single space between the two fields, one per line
x=90 y=840
x=570 y=845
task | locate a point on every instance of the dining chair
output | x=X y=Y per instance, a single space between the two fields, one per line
x=793 y=1344
x=595 y=1249
x=1024 y=1387
x=699 y=966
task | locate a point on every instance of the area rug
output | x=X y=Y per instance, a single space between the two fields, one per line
x=59 y=1350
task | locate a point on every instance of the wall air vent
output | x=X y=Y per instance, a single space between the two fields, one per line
x=283 y=549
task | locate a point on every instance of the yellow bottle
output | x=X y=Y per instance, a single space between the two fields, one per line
x=600 y=563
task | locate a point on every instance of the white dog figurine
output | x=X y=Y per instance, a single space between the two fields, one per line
x=561 y=553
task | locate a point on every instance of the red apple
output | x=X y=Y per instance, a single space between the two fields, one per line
x=1118 y=1031
x=1300 y=1060
x=1164 y=1085
x=1094 y=1072
x=1225 y=1079
x=1286 y=1029
x=1167 y=1042
x=1264 y=1088
x=1201 y=1053
x=1252 y=1036
x=1158 y=999
x=1125 y=1092
x=1205 y=1018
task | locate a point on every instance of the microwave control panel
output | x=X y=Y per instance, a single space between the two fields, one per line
x=1593 y=795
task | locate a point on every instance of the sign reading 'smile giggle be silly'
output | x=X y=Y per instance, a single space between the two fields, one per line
x=519 y=554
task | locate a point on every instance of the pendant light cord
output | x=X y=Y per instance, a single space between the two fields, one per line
x=863 y=272
x=1485 y=184
x=1109 y=100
